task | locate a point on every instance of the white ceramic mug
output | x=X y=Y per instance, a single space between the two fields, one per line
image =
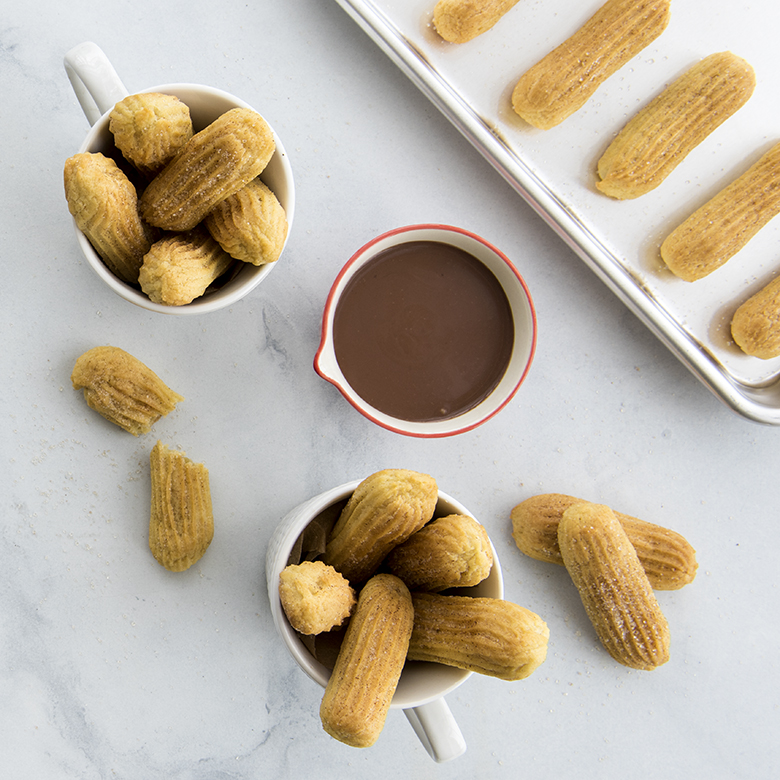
x=422 y=686
x=98 y=88
x=523 y=314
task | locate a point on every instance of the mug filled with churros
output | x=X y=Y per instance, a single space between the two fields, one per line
x=182 y=195
x=388 y=593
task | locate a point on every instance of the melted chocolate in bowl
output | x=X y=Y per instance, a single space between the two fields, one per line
x=423 y=331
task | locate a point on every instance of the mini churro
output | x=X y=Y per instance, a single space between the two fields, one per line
x=489 y=636
x=214 y=164
x=459 y=21
x=613 y=586
x=756 y=323
x=104 y=205
x=657 y=139
x=122 y=389
x=564 y=80
x=181 y=523
x=361 y=686
x=667 y=557
x=714 y=233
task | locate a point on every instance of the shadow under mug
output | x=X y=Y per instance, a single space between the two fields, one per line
x=422 y=686
x=98 y=88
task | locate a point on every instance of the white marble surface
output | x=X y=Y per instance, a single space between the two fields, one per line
x=111 y=667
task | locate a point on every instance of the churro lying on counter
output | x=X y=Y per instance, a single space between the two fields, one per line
x=181 y=522
x=658 y=138
x=104 y=205
x=564 y=80
x=122 y=389
x=755 y=325
x=714 y=233
x=667 y=558
x=459 y=21
x=361 y=686
x=613 y=586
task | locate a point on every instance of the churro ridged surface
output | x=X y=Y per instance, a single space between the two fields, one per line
x=104 y=205
x=459 y=21
x=489 y=636
x=613 y=586
x=755 y=325
x=122 y=389
x=714 y=233
x=667 y=557
x=250 y=225
x=180 y=267
x=181 y=523
x=369 y=664
x=450 y=552
x=564 y=80
x=214 y=164
x=657 y=139
x=383 y=512
x=150 y=128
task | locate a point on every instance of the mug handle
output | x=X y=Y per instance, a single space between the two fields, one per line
x=94 y=80
x=435 y=725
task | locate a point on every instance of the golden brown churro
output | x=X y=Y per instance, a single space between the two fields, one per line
x=667 y=558
x=563 y=81
x=721 y=227
x=459 y=21
x=613 y=586
x=657 y=139
x=756 y=323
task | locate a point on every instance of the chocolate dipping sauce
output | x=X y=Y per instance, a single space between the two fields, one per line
x=423 y=331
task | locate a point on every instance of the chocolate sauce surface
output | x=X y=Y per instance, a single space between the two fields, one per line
x=423 y=331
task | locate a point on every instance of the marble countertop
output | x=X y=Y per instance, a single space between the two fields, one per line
x=112 y=667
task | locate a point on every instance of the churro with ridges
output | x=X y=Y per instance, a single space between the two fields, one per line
x=657 y=139
x=723 y=226
x=315 y=597
x=149 y=129
x=755 y=325
x=104 y=205
x=666 y=556
x=488 y=636
x=250 y=225
x=122 y=389
x=369 y=664
x=613 y=586
x=564 y=80
x=214 y=164
x=383 y=512
x=459 y=21
x=450 y=552
x=181 y=523
x=179 y=268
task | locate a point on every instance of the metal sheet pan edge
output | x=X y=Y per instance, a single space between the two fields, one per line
x=758 y=404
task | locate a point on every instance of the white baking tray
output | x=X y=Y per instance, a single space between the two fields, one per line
x=554 y=170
